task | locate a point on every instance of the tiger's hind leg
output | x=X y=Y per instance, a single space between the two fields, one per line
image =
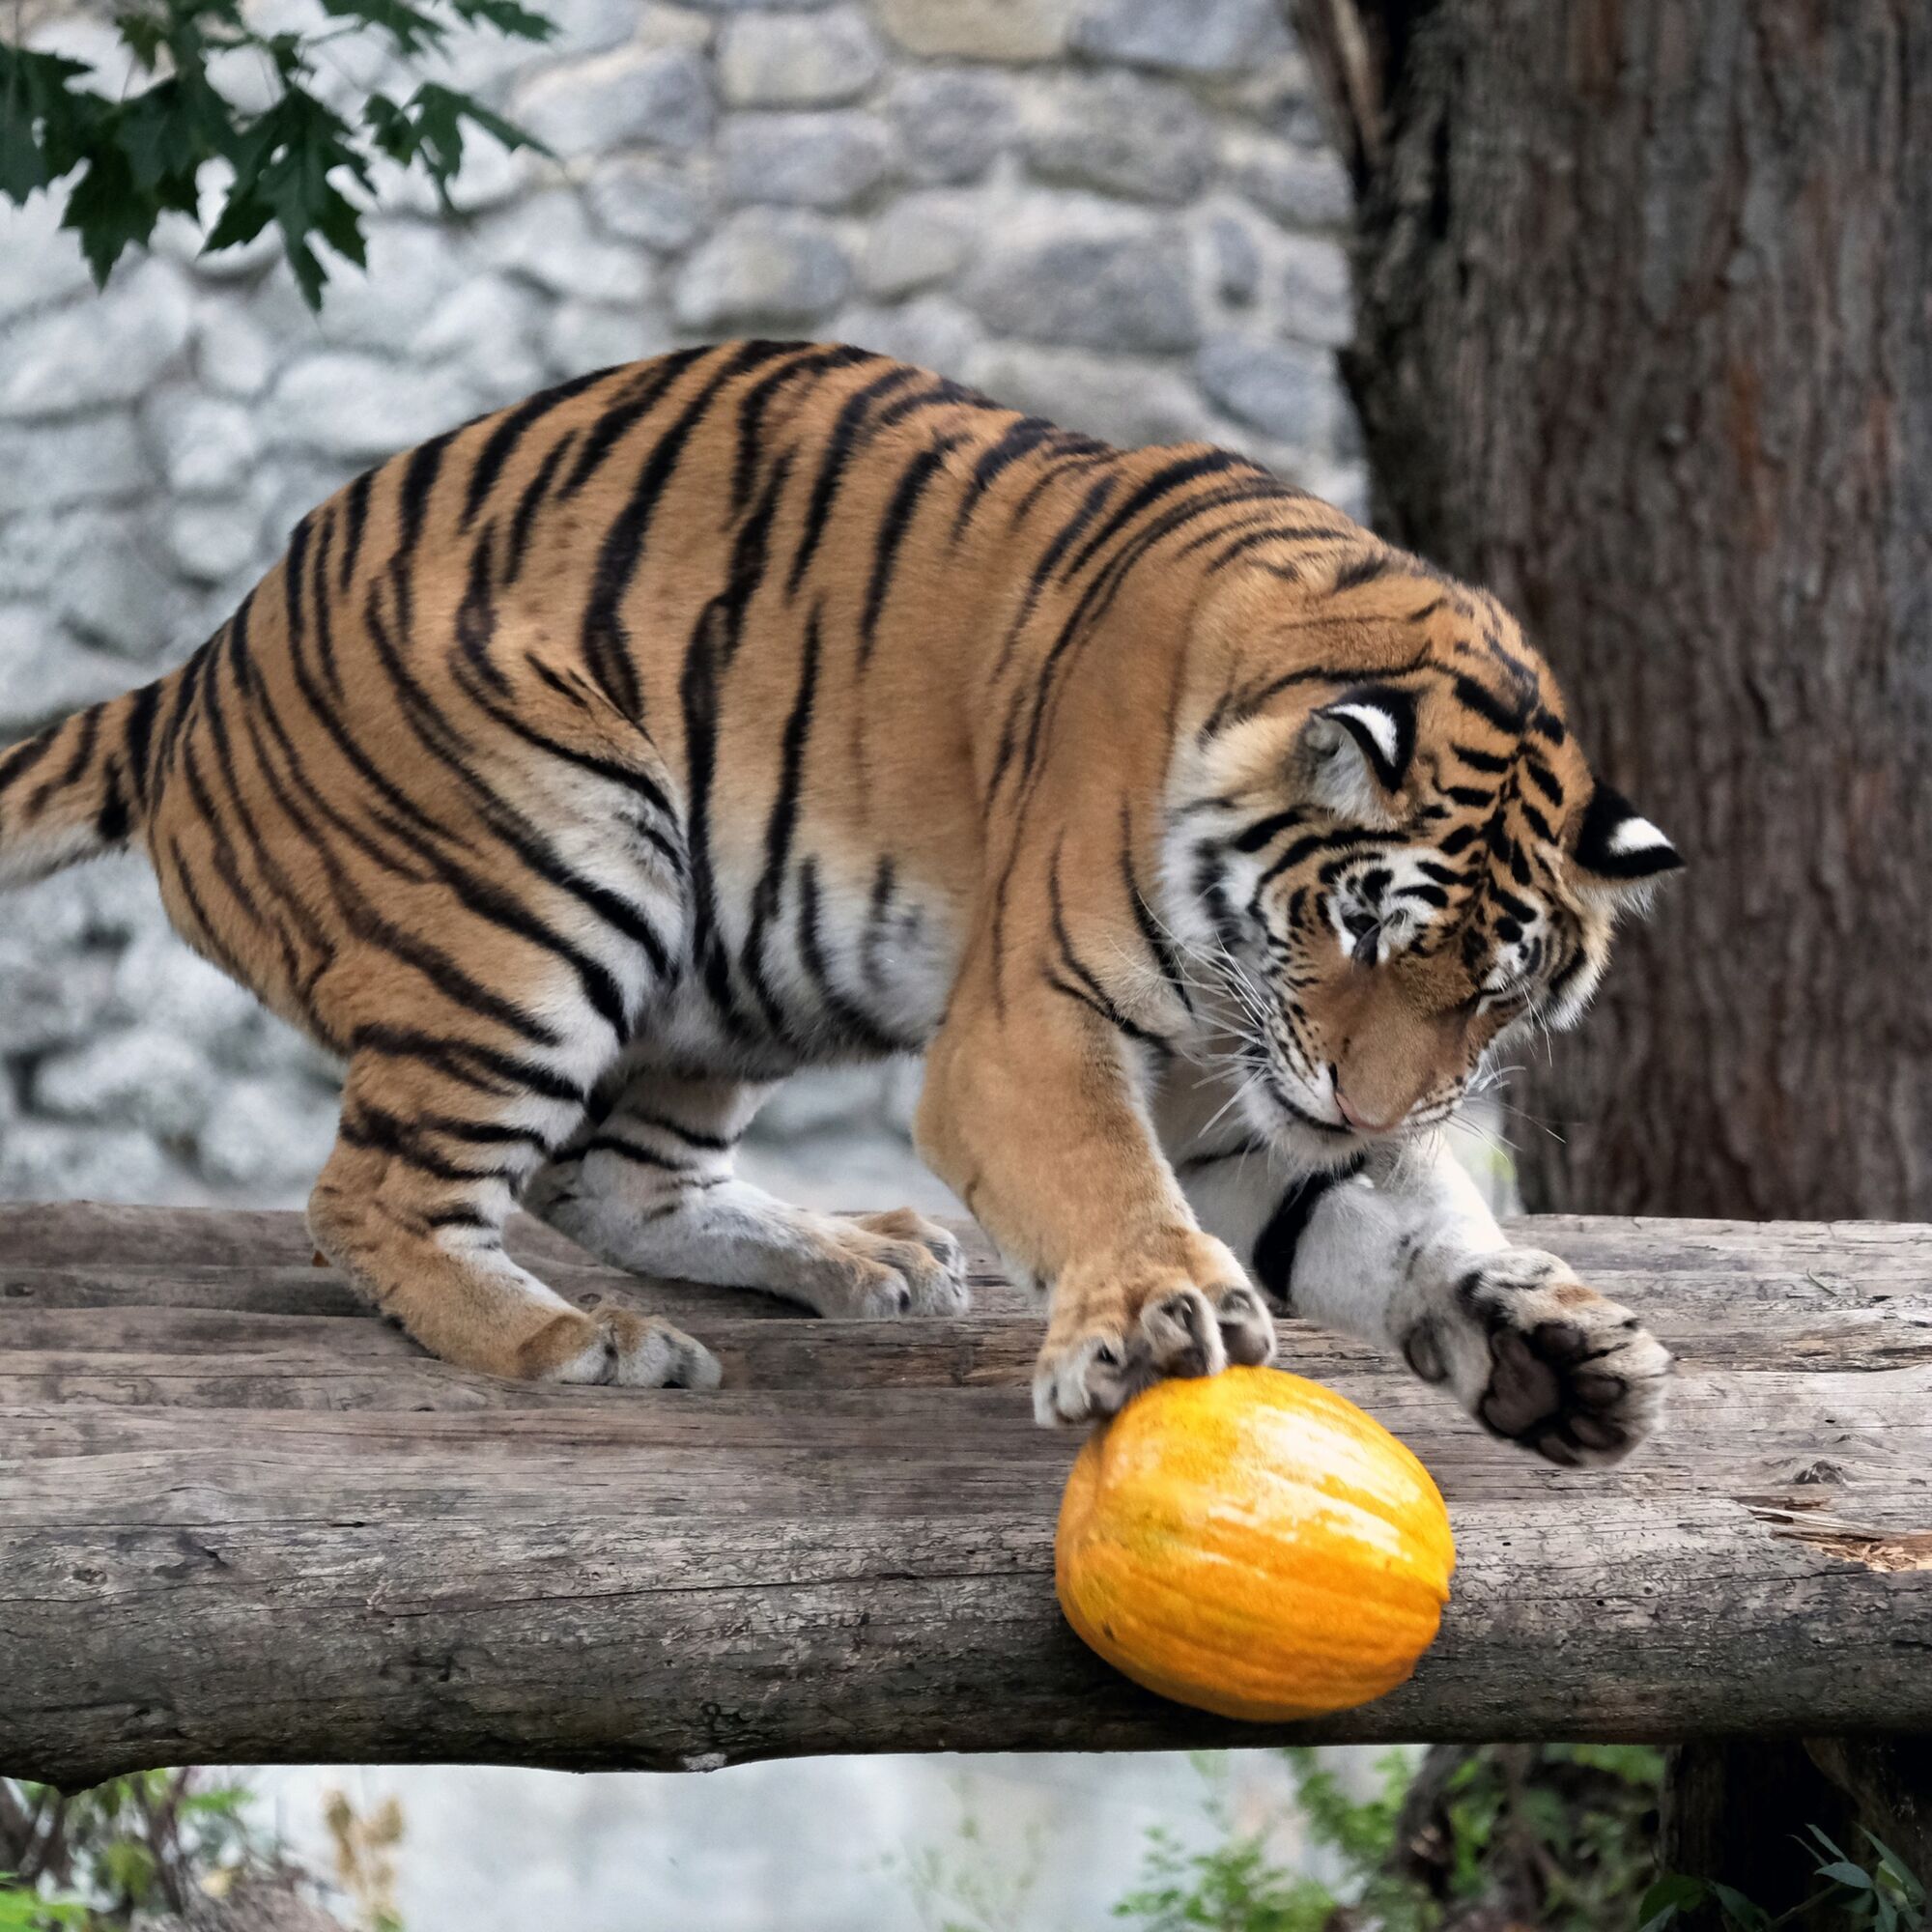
x=438 y=1138
x=652 y=1188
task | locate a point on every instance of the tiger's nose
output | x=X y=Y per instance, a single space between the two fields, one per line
x=1365 y=1124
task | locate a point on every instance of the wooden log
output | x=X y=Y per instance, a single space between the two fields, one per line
x=244 y=1519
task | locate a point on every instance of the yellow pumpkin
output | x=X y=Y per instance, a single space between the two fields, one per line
x=1253 y=1545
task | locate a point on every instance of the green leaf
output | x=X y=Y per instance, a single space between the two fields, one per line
x=1741 y=1911
x=109 y=213
x=507 y=16
x=1843 y=1871
x=1675 y=1891
x=412 y=31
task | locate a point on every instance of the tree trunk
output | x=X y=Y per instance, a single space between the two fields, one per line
x=1644 y=346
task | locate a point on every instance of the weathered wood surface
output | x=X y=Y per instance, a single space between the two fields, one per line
x=241 y=1520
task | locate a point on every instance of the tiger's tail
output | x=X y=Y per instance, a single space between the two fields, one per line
x=82 y=787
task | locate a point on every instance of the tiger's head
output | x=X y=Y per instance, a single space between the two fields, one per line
x=1383 y=835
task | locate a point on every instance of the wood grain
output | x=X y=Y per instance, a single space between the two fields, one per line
x=244 y=1519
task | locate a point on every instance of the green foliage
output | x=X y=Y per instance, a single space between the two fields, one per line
x=98 y=1857
x=1879 y=1893
x=141 y=151
x=1233 y=1886
x=964 y=1888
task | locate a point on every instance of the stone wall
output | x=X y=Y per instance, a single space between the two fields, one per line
x=1117 y=213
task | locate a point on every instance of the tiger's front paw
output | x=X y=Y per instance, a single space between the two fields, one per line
x=1120 y=1325
x=1540 y=1360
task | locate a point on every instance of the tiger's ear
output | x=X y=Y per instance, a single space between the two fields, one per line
x=1618 y=846
x=1366 y=735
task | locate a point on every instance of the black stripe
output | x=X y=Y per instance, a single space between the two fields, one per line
x=1488 y=706
x=780 y=825
x=142 y=706
x=1277 y=1242
x=527 y=503
x=511 y=428
x=856 y=1026
x=630 y=408
x=607 y=643
x=87 y=729
x=110 y=822
x=664 y=1125
x=1153 y=937
x=461 y=1059
x=914 y=482
x=1162 y=483
x=1479 y=762
x=1364 y=568
x=420 y=470
x=1089 y=989
x=355 y=516
x=442 y=742
x=642 y=1156
x=25 y=755
x=292 y=578
x=1021 y=439
x=842 y=440
x=760 y=397
x=476 y=615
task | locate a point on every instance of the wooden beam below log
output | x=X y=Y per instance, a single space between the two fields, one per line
x=244 y=1521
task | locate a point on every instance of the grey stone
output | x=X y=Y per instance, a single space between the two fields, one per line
x=648 y=201
x=111 y=592
x=41 y=263
x=1127 y=402
x=593 y=26
x=807 y=161
x=1301 y=187
x=1126 y=134
x=835 y=1097
x=1282 y=389
x=230 y=355
x=1198 y=36
x=28 y=545
x=584 y=335
x=1317 y=305
x=98 y=460
x=360 y=406
x=920 y=240
x=412 y=266
x=753 y=5
x=763 y=266
x=106 y=903
x=1237 y=263
x=659 y=95
x=487 y=329
x=212 y=539
x=931 y=331
x=144 y=1077
x=1000 y=30
x=951 y=123
x=98 y=353
x=43 y=675
x=50 y=1002
x=45 y=1161
x=1126 y=289
x=846 y=1169
x=548 y=239
x=798 y=60
x=206 y=445
x=259 y=1132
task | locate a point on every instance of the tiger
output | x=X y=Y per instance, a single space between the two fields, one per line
x=584 y=773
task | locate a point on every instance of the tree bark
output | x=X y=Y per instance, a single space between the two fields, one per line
x=1643 y=345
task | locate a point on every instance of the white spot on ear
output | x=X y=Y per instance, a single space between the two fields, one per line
x=1636 y=834
x=1378 y=724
